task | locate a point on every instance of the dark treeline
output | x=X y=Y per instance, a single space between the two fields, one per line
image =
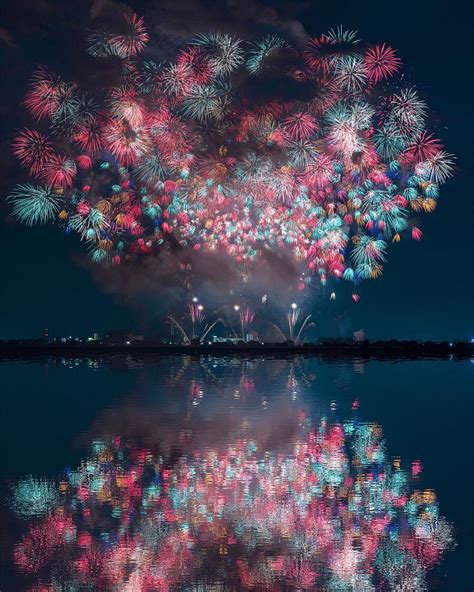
x=328 y=349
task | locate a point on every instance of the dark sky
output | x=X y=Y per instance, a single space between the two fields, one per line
x=427 y=289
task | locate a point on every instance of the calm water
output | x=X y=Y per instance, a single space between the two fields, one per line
x=221 y=474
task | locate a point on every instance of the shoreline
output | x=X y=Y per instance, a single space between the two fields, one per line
x=390 y=350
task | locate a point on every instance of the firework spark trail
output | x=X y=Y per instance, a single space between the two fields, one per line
x=186 y=155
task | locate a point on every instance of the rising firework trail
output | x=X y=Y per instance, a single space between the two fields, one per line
x=196 y=316
x=295 y=330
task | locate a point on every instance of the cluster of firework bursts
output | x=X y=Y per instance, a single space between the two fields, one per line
x=234 y=147
x=330 y=513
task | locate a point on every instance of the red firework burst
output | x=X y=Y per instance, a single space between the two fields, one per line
x=90 y=135
x=33 y=150
x=193 y=60
x=125 y=105
x=84 y=161
x=172 y=137
x=300 y=126
x=381 y=61
x=423 y=148
x=43 y=96
x=125 y=142
x=132 y=41
x=60 y=170
x=319 y=54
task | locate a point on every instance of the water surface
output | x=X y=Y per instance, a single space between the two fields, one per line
x=236 y=473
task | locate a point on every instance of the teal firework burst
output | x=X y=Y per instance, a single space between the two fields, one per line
x=261 y=50
x=34 y=205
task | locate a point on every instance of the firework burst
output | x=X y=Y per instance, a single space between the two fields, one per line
x=233 y=147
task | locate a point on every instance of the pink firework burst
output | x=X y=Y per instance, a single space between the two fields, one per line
x=193 y=61
x=133 y=41
x=125 y=142
x=423 y=148
x=300 y=126
x=59 y=171
x=90 y=135
x=33 y=150
x=125 y=105
x=320 y=54
x=381 y=61
x=43 y=96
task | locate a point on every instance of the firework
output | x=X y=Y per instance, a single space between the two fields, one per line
x=296 y=330
x=33 y=149
x=187 y=155
x=381 y=62
x=246 y=316
x=35 y=205
x=224 y=52
x=262 y=51
x=439 y=166
x=133 y=41
x=199 y=330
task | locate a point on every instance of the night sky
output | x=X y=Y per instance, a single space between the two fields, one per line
x=427 y=288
